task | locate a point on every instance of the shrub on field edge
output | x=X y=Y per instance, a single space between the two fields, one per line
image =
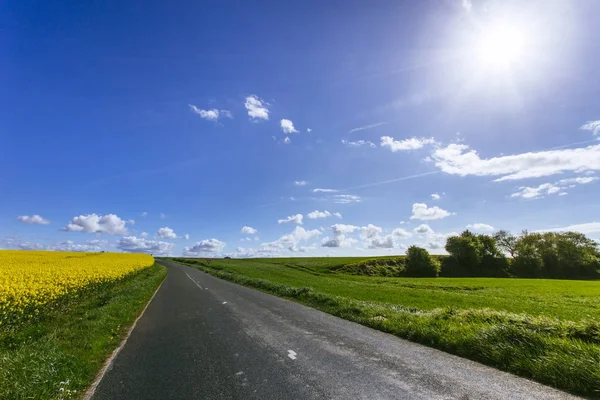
x=420 y=263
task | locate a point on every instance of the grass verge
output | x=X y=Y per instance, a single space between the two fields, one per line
x=58 y=357
x=557 y=352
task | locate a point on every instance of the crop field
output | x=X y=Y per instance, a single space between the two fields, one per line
x=546 y=330
x=61 y=314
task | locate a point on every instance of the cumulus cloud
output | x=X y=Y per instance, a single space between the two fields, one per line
x=292 y=218
x=386 y=242
x=210 y=115
x=144 y=234
x=401 y=233
x=320 y=190
x=291 y=240
x=593 y=126
x=337 y=214
x=204 y=246
x=459 y=159
x=435 y=196
x=287 y=126
x=433 y=240
x=338 y=241
x=109 y=224
x=309 y=130
x=300 y=183
x=422 y=212
x=346 y=199
x=370 y=231
x=256 y=107
x=343 y=229
x=286 y=140
x=89 y=246
x=248 y=230
x=480 y=227
x=359 y=143
x=406 y=144
x=166 y=233
x=423 y=229
x=33 y=220
x=132 y=244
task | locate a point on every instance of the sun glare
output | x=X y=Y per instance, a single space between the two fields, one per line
x=500 y=46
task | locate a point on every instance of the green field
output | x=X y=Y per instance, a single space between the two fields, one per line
x=547 y=330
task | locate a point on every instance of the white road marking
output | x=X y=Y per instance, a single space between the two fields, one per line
x=200 y=287
x=292 y=354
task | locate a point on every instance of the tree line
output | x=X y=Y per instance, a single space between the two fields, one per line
x=561 y=255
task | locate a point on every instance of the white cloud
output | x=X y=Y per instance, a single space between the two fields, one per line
x=527 y=192
x=257 y=108
x=346 y=199
x=309 y=130
x=386 y=242
x=421 y=211
x=401 y=233
x=563 y=193
x=93 y=223
x=370 y=231
x=286 y=140
x=337 y=214
x=466 y=4
x=162 y=216
x=582 y=180
x=166 y=233
x=186 y=236
x=319 y=190
x=144 y=234
x=227 y=113
x=435 y=196
x=209 y=115
x=132 y=244
x=248 y=230
x=593 y=126
x=338 y=241
x=371 y=126
x=480 y=227
x=423 y=229
x=89 y=246
x=359 y=143
x=287 y=126
x=406 y=144
x=144 y=214
x=33 y=220
x=343 y=229
x=300 y=183
x=290 y=240
x=587 y=228
x=458 y=159
x=320 y=214
x=433 y=240
x=292 y=218
x=204 y=246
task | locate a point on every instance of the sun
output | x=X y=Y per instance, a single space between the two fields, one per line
x=500 y=46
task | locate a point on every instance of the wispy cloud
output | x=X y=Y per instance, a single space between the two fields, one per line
x=321 y=190
x=359 y=143
x=210 y=115
x=256 y=107
x=422 y=212
x=300 y=183
x=33 y=220
x=593 y=126
x=467 y=4
x=371 y=126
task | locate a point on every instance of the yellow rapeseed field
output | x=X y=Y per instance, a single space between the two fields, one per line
x=31 y=280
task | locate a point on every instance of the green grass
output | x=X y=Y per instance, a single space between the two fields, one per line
x=547 y=330
x=38 y=359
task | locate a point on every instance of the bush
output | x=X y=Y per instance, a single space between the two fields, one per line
x=420 y=263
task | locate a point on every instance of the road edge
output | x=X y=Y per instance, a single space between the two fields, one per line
x=91 y=390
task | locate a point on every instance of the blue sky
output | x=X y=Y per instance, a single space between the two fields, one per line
x=168 y=128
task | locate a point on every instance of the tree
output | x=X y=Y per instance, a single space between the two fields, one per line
x=420 y=263
x=506 y=241
x=476 y=255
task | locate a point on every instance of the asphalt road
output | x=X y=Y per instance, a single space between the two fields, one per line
x=205 y=338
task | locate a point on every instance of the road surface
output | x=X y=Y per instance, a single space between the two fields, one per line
x=205 y=338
